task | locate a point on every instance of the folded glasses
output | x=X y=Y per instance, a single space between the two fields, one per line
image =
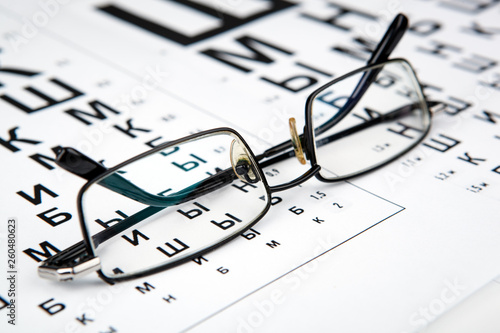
x=186 y=197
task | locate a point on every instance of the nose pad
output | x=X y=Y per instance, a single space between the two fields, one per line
x=242 y=164
x=297 y=146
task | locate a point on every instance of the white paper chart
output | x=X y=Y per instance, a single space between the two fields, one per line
x=390 y=251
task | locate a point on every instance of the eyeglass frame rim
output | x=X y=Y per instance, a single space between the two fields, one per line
x=87 y=239
x=310 y=145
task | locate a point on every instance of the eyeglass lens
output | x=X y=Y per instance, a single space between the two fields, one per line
x=170 y=205
x=367 y=119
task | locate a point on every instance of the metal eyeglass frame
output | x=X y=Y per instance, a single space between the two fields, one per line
x=80 y=258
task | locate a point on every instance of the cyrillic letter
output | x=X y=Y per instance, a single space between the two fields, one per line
x=250 y=234
x=471 y=160
x=371 y=114
x=341 y=11
x=112 y=221
x=273 y=244
x=135 y=240
x=39 y=159
x=296 y=210
x=147 y=287
x=83 y=319
x=37 y=194
x=250 y=43
x=173 y=248
x=425 y=27
x=226 y=224
x=190 y=165
x=222 y=270
x=191 y=214
x=446 y=146
x=453 y=109
x=362 y=50
x=13 y=137
x=169 y=299
x=439 y=48
x=275 y=200
x=45 y=246
x=224 y=20
x=50 y=101
x=52 y=309
x=242 y=188
x=488 y=116
x=295 y=83
x=98 y=114
x=52 y=220
x=200 y=260
x=469 y=6
x=130 y=128
x=404 y=129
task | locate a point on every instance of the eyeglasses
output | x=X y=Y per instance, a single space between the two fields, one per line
x=186 y=197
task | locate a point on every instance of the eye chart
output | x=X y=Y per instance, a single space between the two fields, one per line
x=386 y=252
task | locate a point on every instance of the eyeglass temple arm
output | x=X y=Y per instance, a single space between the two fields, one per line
x=390 y=40
x=381 y=53
x=83 y=166
x=77 y=163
